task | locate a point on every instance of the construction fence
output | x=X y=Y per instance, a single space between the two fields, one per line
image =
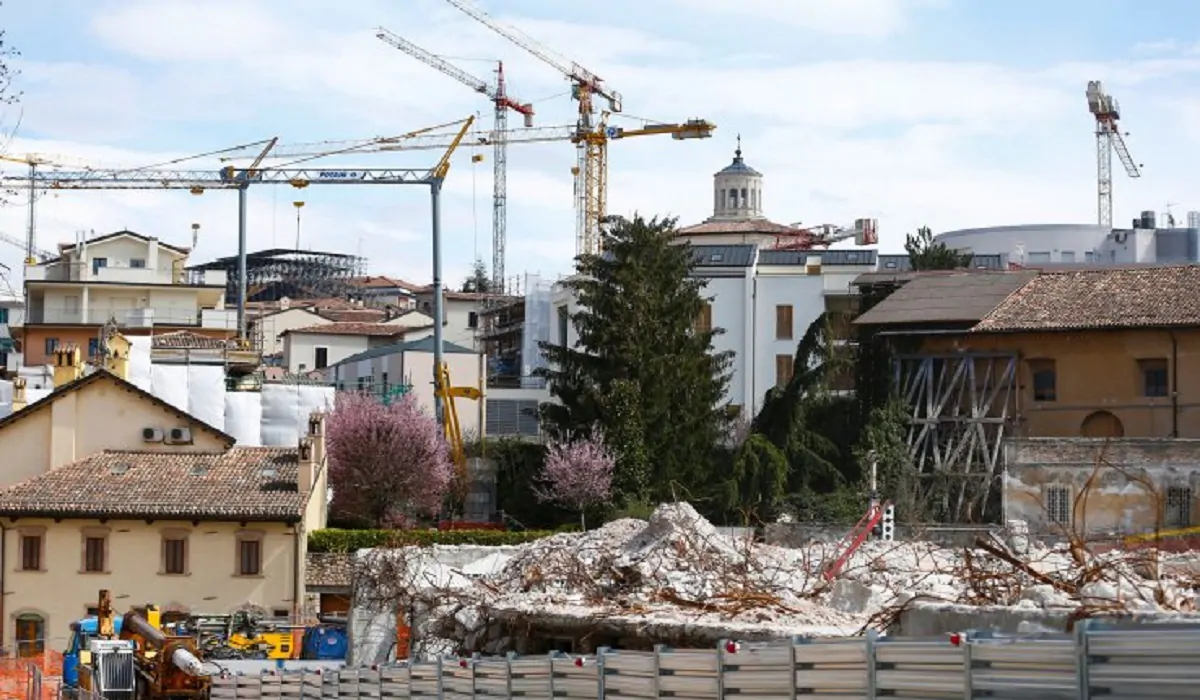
x=1113 y=662
x=31 y=677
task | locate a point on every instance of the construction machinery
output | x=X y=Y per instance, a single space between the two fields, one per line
x=863 y=231
x=502 y=103
x=1107 y=113
x=131 y=658
x=450 y=425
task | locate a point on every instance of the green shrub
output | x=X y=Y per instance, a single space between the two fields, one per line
x=334 y=540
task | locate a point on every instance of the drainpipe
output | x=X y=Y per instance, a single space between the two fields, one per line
x=297 y=567
x=753 y=378
x=3 y=570
x=1174 y=384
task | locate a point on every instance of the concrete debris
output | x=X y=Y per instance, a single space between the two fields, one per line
x=678 y=568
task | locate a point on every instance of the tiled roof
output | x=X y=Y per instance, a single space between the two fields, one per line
x=349 y=315
x=945 y=296
x=382 y=282
x=1101 y=298
x=99 y=375
x=422 y=345
x=463 y=296
x=350 y=328
x=750 y=226
x=181 y=340
x=329 y=569
x=243 y=483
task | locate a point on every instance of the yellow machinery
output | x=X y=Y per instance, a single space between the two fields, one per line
x=450 y=425
x=278 y=645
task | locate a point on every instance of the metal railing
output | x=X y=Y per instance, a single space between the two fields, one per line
x=99 y=315
x=1098 y=660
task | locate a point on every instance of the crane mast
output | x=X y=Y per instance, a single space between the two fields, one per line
x=502 y=103
x=1107 y=113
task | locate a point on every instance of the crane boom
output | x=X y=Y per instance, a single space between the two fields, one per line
x=572 y=70
x=501 y=103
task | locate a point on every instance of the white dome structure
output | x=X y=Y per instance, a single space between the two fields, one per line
x=1030 y=243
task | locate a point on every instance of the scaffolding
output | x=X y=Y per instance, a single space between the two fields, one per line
x=961 y=408
x=276 y=273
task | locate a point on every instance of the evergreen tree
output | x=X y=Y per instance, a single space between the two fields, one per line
x=478 y=282
x=642 y=371
x=925 y=254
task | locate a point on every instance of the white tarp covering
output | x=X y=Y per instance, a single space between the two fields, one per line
x=33 y=395
x=170 y=383
x=37 y=377
x=5 y=398
x=206 y=394
x=244 y=417
x=139 y=362
x=285 y=411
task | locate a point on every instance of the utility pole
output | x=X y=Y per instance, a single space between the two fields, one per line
x=299 y=205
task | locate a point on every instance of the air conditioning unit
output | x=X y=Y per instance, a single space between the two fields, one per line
x=152 y=435
x=181 y=435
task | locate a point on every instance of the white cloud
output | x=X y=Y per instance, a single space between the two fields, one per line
x=862 y=18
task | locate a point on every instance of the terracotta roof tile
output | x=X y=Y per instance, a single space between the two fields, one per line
x=1100 y=298
x=188 y=340
x=350 y=328
x=251 y=483
x=361 y=315
x=329 y=569
x=384 y=283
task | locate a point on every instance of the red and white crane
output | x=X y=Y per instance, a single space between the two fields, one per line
x=863 y=231
x=498 y=94
x=1107 y=112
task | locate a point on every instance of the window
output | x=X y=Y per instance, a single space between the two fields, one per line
x=1038 y=258
x=137 y=263
x=51 y=345
x=783 y=369
x=31 y=635
x=564 y=324
x=1154 y=377
x=98 y=263
x=703 y=322
x=249 y=557
x=1067 y=256
x=1045 y=380
x=94 y=559
x=383 y=379
x=472 y=319
x=3 y=315
x=93 y=347
x=1089 y=256
x=1058 y=504
x=320 y=358
x=174 y=554
x=31 y=552
x=1177 y=511
x=783 y=322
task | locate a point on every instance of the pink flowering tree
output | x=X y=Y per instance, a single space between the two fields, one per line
x=578 y=474
x=386 y=462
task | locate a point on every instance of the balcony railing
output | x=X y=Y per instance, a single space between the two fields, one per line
x=78 y=272
x=225 y=319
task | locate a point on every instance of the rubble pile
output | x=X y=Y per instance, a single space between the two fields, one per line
x=678 y=569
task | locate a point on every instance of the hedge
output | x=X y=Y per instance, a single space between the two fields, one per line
x=334 y=540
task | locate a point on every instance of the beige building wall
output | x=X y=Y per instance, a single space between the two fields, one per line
x=100 y=416
x=271 y=326
x=60 y=592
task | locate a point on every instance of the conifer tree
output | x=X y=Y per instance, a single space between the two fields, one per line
x=643 y=372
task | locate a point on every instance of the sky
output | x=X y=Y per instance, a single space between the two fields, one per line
x=946 y=113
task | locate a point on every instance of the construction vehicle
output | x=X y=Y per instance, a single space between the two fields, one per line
x=450 y=425
x=131 y=658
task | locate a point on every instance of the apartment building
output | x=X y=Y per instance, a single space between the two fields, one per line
x=137 y=282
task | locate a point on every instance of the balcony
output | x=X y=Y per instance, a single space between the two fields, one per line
x=77 y=272
x=217 y=319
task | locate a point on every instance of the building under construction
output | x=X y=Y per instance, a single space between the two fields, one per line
x=296 y=274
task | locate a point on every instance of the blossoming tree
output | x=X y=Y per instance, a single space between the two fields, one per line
x=386 y=462
x=578 y=474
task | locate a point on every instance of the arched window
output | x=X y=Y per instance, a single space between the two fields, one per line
x=31 y=635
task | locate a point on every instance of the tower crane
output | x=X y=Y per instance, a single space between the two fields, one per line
x=591 y=139
x=503 y=103
x=229 y=177
x=42 y=255
x=33 y=161
x=1107 y=112
x=863 y=231
x=592 y=209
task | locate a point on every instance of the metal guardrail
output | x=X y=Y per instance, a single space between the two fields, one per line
x=1110 y=661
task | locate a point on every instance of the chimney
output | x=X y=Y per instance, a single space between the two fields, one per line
x=316 y=434
x=19 y=401
x=308 y=468
x=117 y=358
x=67 y=366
